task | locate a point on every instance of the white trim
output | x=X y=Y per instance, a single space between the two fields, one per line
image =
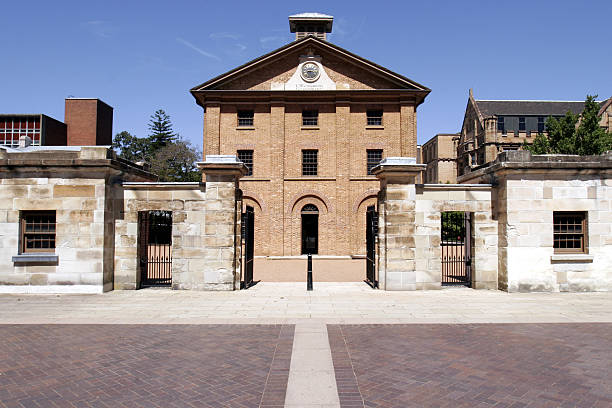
x=50 y=289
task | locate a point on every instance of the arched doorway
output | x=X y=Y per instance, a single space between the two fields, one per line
x=310 y=229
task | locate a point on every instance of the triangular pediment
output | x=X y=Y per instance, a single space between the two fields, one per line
x=334 y=68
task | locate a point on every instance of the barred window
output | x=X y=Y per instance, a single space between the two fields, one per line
x=374 y=156
x=309 y=162
x=375 y=117
x=569 y=232
x=310 y=118
x=246 y=156
x=245 y=117
x=37 y=231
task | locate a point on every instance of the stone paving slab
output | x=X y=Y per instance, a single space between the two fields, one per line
x=144 y=365
x=473 y=365
x=289 y=303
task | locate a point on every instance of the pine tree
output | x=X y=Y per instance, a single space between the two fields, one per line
x=161 y=130
x=590 y=137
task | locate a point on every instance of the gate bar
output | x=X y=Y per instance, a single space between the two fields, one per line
x=309 y=273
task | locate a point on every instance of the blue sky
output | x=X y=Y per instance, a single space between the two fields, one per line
x=142 y=56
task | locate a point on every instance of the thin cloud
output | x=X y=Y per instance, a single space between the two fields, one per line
x=199 y=50
x=272 y=39
x=231 y=36
x=99 y=28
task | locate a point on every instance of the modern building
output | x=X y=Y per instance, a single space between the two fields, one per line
x=440 y=155
x=310 y=120
x=493 y=126
x=87 y=122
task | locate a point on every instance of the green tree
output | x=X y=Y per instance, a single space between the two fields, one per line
x=574 y=134
x=131 y=147
x=176 y=162
x=161 y=130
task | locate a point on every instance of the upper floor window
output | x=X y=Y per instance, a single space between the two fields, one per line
x=569 y=231
x=246 y=156
x=309 y=162
x=310 y=118
x=374 y=156
x=501 y=126
x=375 y=117
x=37 y=231
x=541 y=124
x=521 y=123
x=245 y=117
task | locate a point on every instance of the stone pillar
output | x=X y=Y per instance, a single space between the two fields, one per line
x=396 y=255
x=221 y=238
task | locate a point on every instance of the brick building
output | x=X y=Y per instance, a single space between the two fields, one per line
x=310 y=120
x=493 y=126
x=440 y=155
x=87 y=122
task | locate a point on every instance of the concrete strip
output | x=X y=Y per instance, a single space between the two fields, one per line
x=312 y=382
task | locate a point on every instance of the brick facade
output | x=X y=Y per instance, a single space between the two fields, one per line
x=342 y=189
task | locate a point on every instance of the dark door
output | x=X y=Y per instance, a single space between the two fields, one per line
x=371 y=232
x=155 y=248
x=310 y=229
x=248 y=239
x=456 y=242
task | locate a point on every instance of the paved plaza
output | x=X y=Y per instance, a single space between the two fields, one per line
x=275 y=345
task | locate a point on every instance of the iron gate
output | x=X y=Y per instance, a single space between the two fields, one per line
x=371 y=232
x=155 y=247
x=456 y=248
x=248 y=238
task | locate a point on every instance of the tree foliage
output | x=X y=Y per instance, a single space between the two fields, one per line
x=574 y=134
x=160 y=127
x=171 y=158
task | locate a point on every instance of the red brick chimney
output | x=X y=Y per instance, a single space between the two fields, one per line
x=89 y=122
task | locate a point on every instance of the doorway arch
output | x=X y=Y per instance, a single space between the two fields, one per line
x=310 y=229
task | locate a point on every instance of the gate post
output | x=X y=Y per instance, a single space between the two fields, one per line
x=397 y=202
x=221 y=235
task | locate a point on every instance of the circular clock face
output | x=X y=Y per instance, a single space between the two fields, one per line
x=310 y=71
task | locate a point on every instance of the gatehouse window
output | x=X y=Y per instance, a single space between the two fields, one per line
x=375 y=117
x=37 y=231
x=374 y=156
x=569 y=232
x=310 y=118
x=245 y=117
x=309 y=162
x=246 y=156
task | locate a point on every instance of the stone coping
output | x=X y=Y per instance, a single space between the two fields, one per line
x=454 y=187
x=145 y=185
x=558 y=258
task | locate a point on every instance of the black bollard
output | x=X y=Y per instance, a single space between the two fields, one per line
x=309 y=277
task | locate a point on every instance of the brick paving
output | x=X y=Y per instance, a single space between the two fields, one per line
x=473 y=365
x=144 y=365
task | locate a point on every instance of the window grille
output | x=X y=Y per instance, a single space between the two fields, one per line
x=245 y=118
x=374 y=156
x=310 y=118
x=309 y=162
x=37 y=231
x=246 y=156
x=11 y=128
x=375 y=117
x=569 y=231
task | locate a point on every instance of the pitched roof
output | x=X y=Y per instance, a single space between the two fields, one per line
x=538 y=108
x=402 y=81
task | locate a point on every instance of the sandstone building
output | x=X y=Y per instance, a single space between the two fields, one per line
x=440 y=155
x=493 y=126
x=310 y=120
